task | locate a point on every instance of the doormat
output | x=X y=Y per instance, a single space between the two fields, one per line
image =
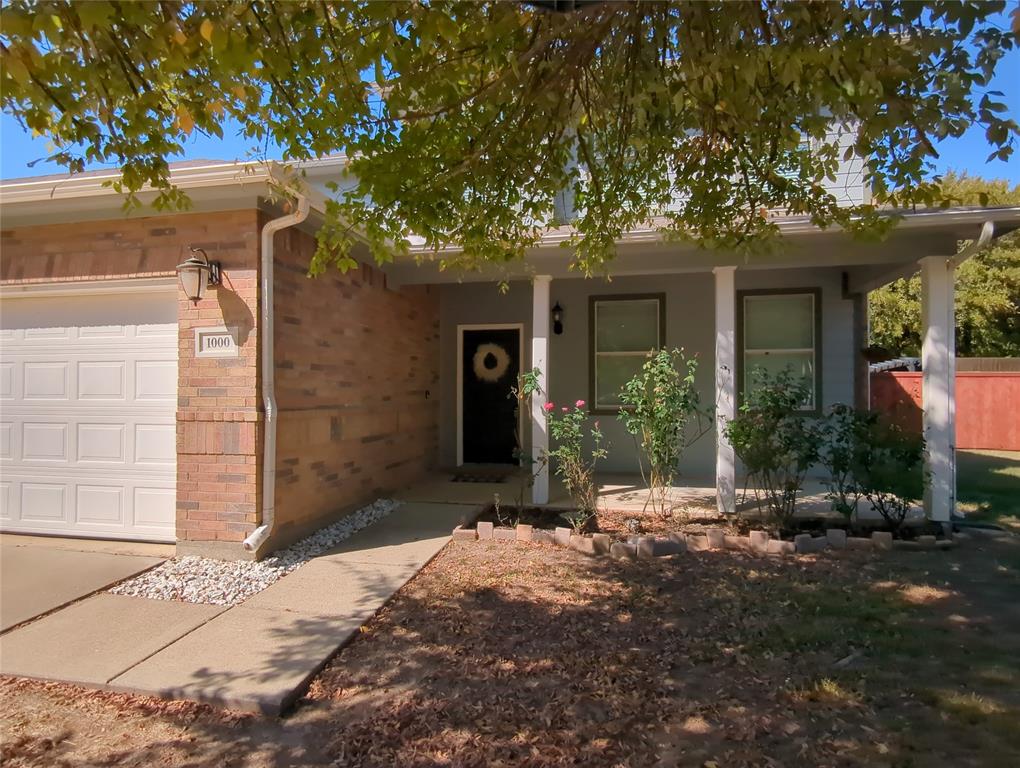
x=478 y=477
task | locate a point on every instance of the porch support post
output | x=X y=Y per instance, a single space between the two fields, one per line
x=540 y=314
x=938 y=385
x=725 y=387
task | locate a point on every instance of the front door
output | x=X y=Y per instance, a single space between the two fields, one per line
x=490 y=362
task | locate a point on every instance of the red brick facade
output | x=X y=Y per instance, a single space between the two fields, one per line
x=357 y=373
x=218 y=407
x=356 y=370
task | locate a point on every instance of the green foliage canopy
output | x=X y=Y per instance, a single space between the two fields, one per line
x=463 y=120
x=987 y=289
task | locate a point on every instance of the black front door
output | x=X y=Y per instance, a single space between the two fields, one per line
x=490 y=362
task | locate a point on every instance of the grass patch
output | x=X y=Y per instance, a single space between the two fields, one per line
x=988 y=486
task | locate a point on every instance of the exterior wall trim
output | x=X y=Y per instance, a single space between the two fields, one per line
x=93 y=286
x=519 y=327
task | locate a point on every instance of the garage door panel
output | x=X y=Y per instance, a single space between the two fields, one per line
x=156 y=380
x=44 y=503
x=102 y=443
x=156 y=444
x=99 y=506
x=5 y=500
x=44 y=442
x=88 y=442
x=7 y=373
x=6 y=440
x=154 y=508
x=102 y=380
x=45 y=381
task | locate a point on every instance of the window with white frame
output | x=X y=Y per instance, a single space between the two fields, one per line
x=780 y=331
x=624 y=329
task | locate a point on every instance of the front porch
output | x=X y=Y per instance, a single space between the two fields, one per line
x=695 y=499
x=805 y=303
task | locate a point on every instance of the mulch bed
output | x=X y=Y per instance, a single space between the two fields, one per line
x=537 y=656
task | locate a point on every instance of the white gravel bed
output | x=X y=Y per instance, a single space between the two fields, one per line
x=230 y=582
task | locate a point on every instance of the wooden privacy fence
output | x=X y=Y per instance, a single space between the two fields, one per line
x=987 y=406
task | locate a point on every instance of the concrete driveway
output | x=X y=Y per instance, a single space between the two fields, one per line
x=39 y=575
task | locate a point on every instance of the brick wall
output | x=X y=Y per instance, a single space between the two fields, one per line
x=357 y=387
x=218 y=406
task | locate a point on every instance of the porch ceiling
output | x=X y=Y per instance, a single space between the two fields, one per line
x=919 y=234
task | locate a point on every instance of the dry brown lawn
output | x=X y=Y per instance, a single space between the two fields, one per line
x=527 y=655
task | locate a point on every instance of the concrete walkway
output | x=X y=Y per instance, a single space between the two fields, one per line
x=39 y=575
x=256 y=656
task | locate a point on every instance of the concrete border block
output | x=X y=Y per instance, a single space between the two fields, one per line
x=524 y=532
x=679 y=538
x=780 y=547
x=562 y=536
x=805 y=543
x=602 y=543
x=542 y=536
x=460 y=533
x=742 y=543
x=858 y=542
x=759 y=541
x=485 y=531
x=882 y=540
x=698 y=543
x=621 y=551
x=664 y=547
x=646 y=547
x=716 y=538
x=836 y=538
x=504 y=534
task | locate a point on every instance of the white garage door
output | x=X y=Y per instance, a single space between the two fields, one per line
x=88 y=394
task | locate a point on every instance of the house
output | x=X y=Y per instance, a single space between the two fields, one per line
x=277 y=402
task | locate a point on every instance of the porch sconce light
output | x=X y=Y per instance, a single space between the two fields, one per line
x=557 y=317
x=197 y=274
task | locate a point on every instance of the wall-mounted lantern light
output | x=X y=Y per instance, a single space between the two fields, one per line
x=197 y=274
x=557 y=318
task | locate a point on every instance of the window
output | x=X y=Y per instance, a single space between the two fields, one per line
x=778 y=331
x=624 y=329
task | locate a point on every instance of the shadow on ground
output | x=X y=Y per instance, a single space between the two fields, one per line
x=526 y=655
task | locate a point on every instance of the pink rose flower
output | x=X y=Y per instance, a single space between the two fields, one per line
x=579 y=404
x=549 y=407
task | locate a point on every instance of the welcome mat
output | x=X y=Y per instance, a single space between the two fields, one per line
x=478 y=477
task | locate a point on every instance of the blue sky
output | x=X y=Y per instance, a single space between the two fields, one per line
x=18 y=150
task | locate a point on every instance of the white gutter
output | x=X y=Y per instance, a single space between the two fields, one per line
x=987 y=233
x=260 y=535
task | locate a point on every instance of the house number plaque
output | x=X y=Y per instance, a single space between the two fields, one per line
x=216 y=342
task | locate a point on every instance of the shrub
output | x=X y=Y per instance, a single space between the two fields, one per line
x=664 y=417
x=846 y=433
x=573 y=463
x=526 y=386
x=889 y=469
x=776 y=442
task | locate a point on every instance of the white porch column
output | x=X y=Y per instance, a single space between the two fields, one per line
x=540 y=359
x=725 y=387
x=938 y=385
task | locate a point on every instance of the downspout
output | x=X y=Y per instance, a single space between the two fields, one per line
x=260 y=535
x=987 y=233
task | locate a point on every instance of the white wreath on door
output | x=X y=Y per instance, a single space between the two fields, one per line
x=496 y=372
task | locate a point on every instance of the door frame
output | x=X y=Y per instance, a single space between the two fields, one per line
x=519 y=327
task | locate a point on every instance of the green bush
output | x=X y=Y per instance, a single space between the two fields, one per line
x=573 y=463
x=846 y=432
x=776 y=443
x=888 y=469
x=664 y=416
